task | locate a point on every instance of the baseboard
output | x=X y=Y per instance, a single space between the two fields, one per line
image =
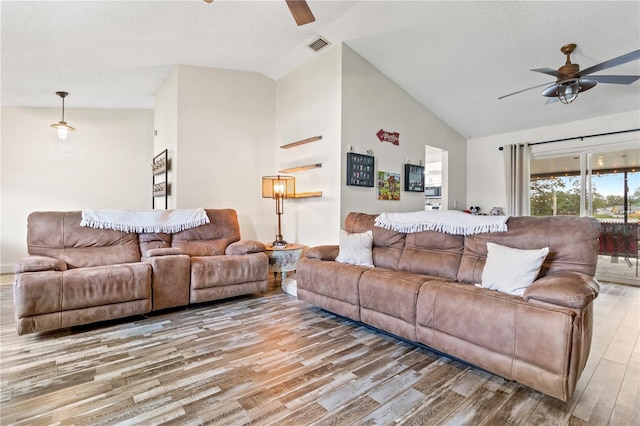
x=6 y=269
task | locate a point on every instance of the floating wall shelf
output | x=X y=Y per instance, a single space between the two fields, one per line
x=302 y=142
x=301 y=168
x=308 y=194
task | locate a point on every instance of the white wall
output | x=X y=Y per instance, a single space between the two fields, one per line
x=485 y=164
x=308 y=104
x=224 y=138
x=370 y=102
x=105 y=163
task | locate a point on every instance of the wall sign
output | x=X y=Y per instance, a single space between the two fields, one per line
x=393 y=137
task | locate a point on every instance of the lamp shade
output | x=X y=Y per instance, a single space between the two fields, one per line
x=278 y=187
x=63 y=129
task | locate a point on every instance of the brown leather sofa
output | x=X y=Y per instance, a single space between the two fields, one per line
x=78 y=275
x=422 y=290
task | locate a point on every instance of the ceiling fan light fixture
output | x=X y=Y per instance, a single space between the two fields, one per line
x=62 y=126
x=568 y=91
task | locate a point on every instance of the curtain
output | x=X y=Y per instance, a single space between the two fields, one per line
x=516 y=162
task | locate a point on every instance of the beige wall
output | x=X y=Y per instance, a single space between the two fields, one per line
x=308 y=103
x=370 y=102
x=485 y=163
x=165 y=123
x=105 y=163
x=221 y=142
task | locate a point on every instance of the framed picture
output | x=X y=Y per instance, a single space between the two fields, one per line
x=360 y=169
x=413 y=178
x=388 y=186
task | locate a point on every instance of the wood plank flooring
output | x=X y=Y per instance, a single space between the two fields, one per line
x=275 y=360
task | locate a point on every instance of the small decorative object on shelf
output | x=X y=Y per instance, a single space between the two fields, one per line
x=160 y=182
x=360 y=169
x=413 y=178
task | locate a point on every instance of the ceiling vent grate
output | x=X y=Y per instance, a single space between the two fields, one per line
x=318 y=44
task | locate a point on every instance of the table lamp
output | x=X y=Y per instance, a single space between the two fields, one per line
x=279 y=188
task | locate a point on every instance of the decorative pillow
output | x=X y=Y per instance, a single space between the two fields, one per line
x=355 y=249
x=511 y=270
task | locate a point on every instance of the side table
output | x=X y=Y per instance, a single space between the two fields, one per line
x=283 y=260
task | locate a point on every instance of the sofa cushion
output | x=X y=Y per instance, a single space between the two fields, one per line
x=432 y=253
x=153 y=240
x=356 y=249
x=387 y=244
x=59 y=235
x=330 y=285
x=54 y=291
x=572 y=242
x=216 y=271
x=211 y=239
x=511 y=270
x=388 y=300
x=332 y=279
x=496 y=331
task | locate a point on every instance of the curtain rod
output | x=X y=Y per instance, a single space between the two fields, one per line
x=582 y=137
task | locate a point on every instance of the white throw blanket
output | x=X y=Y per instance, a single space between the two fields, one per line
x=448 y=221
x=167 y=221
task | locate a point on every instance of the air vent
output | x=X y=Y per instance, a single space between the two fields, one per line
x=318 y=44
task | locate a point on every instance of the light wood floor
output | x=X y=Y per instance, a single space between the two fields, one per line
x=275 y=360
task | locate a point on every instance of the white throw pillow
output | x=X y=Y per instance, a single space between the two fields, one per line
x=355 y=249
x=511 y=270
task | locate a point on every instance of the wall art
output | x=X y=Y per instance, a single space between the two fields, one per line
x=388 y=186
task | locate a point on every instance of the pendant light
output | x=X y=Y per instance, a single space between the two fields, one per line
x=62 y=126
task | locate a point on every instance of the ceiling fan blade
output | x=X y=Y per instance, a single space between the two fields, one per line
x=550 y=71
x=631 y=56
x=552 y=100
x=208 y=1
x=524 y=90
x=300 y=11
x=615 y=79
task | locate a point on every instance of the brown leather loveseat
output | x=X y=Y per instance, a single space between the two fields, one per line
x=422 y=290
x=78 y=275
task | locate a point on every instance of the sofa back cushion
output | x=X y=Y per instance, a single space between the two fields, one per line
x=59 y=235
x=387 y=245
x=210 y=239
x=153 y=240
x=572 y=242
x=432 y=253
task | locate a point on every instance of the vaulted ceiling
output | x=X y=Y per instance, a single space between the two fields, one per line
x=454 y=57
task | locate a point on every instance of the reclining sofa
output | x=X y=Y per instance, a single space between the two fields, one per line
x=422 y=290
x=78 y=275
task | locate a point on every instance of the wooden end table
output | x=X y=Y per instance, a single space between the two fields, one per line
x=283 y=260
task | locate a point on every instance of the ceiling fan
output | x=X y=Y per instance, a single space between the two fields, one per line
x=571 y=81
x=299 y=9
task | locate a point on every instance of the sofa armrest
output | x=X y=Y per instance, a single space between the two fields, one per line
x=38 y=264
x=571 y=289
x=329 y=252
x=168 y=251
x=245 y=247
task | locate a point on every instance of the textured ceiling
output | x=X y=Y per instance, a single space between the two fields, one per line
x=455 y=58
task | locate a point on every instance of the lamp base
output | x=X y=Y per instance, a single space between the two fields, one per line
x=279 y=242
